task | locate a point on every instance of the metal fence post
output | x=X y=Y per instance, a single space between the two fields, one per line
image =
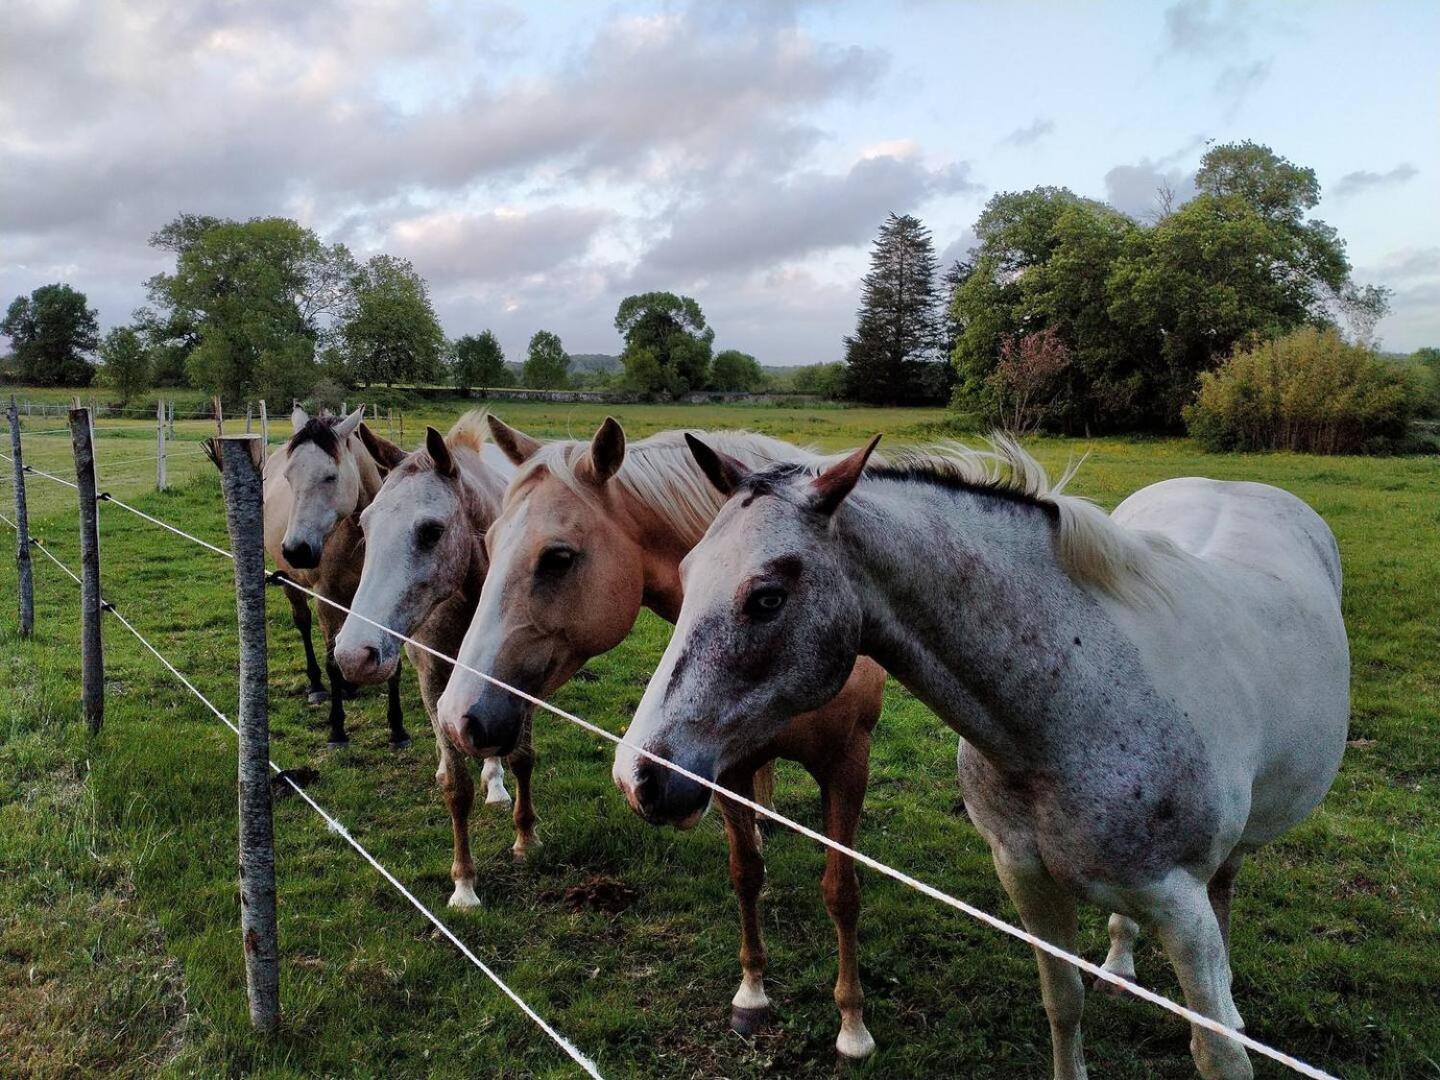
x=160 y=479
x=22 y=527
x=240 y=479
x=92 y=657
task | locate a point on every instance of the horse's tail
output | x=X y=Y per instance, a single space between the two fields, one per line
x=765 y=787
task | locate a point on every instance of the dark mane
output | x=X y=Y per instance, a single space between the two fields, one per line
x=319 y=430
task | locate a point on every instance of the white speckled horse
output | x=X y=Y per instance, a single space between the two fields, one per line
x=1144 y=698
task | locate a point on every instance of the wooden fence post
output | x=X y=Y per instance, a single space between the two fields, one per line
x=264 y=433
x=219 y=417
x=22 y=527
x=240 y=479
x=92 y=657
x=170 y=408
x=247 y=418
x=160 y=478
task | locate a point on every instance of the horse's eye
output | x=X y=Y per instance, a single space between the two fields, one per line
x=331 y=478
x=428 y=534
x=555 y=562
x=764 y=603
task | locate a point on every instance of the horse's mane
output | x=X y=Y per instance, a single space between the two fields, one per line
x=1093 y=547
x=661 y=473
x=468 y=431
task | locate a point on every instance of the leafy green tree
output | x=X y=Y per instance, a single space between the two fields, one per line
x=479 y=361
x=547 y=366
x=260 y=297
x=898 y=333
x=734 y=370
x=391 y=333
x=51 y=331
x=667 y=343
x=124 y=363
x=823 y=380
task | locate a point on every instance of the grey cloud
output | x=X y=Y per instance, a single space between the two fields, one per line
x=1410 y=263
x=1199 y=28
x=1238 y=81
x=1135 y=189
x=493 y=247
x=770 y=221
x=1364 y=180
x=1030 y=134
x=959 y=248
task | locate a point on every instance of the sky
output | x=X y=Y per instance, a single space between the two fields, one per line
x=539 y=163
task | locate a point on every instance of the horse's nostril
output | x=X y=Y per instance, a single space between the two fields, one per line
x=372 y=656
x=647 y=786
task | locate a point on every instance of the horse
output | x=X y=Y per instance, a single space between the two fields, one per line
x=314 y=487
x=1144 y=698
x=588 y=534
x=424 y=563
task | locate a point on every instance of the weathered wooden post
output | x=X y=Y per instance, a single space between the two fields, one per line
x=92 y=657
x=247 y=418
x=240 y=478
x=22 y=527
x=264 y=431
x=170 y=408
x=160 y=478
x=219 y=417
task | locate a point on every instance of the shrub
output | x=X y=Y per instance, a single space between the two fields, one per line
x=1027 y=380
x=1308 y=391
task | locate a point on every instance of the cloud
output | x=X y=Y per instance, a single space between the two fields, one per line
x=455 y=246
x=1197 y=28
x=1363 y=180
x=772 y=221
x=958 y=250
x=1136 y=189
x=1238 y=81
x=1030 y=134
x=1410 y=263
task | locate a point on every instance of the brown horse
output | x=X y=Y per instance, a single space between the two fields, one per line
x=315 y=486
x=589 y=534
x=424 y=564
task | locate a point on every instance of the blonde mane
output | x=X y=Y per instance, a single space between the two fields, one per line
x=469 y=431
x=661 y=473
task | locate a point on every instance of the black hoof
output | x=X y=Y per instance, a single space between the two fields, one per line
x=338 y=744
x=402 y=743
x=317 y=697
x=745 y=1021
x=350 y=691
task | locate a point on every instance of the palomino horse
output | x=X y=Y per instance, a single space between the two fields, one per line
x=1144 y=698
x=424 y=563
x=588 y=535
x=314 y=487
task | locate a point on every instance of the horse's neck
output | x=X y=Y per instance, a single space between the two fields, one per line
x=370 y=478
x=966 y=602
x=664 y=548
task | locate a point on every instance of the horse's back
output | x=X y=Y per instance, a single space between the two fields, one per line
x=1240 y=524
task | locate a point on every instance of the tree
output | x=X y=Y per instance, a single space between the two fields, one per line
x=547 y=366
x=51 y=331
x=1027 y=379
x=734 y=370
x=390 y=331
x=898 y=329
x=479 y=361
x=667 y=343
x=124 y=363
x=260 y=297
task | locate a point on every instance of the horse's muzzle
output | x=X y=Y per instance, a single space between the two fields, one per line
x=301 y=555
x=365 y=663
x=664 y=797
x=491 y=726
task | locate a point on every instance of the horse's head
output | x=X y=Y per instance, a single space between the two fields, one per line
x=566 y=581
x=421 y=531
x=770 y=628
x=323 y=475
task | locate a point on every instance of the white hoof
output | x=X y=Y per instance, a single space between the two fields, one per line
x=523 y=846
x=492 y=775
x=464 y=895
x=854 y=1041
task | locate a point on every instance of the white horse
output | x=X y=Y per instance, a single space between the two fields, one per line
x=1143 y=698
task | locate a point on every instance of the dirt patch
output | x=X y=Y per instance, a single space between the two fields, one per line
x=598 y=893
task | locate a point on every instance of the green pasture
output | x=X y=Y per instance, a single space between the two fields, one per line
x=119 y=945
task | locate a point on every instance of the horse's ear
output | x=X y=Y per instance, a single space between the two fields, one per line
x=607 y=451
x=298 y=417
x=386 y=454
x=515 y=445
x=722 y=470
x=439 y=452
x=828 y=490
x=345 y=428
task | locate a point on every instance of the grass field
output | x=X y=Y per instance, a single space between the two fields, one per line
x=119 y=951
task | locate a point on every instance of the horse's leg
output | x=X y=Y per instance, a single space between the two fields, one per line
x=338 y=738
x=1048 y=912
x=1191 y=935
x=522 y=764
x=458 y=788
x=492 y=776
x=842 y=794
x=1124 y=932
x=750 y=1009
x=399 y=737
x=315 y=694
x=1221 y=891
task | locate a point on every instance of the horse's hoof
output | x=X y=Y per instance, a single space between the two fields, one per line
x=464 y=896
x=350 y=691
x=1105 y=986
x=338 y=744
x=744 y=1021
x=854 y=1043
x=402 y=743
x=521 y=851
x=502 y=799
x=317 y=697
